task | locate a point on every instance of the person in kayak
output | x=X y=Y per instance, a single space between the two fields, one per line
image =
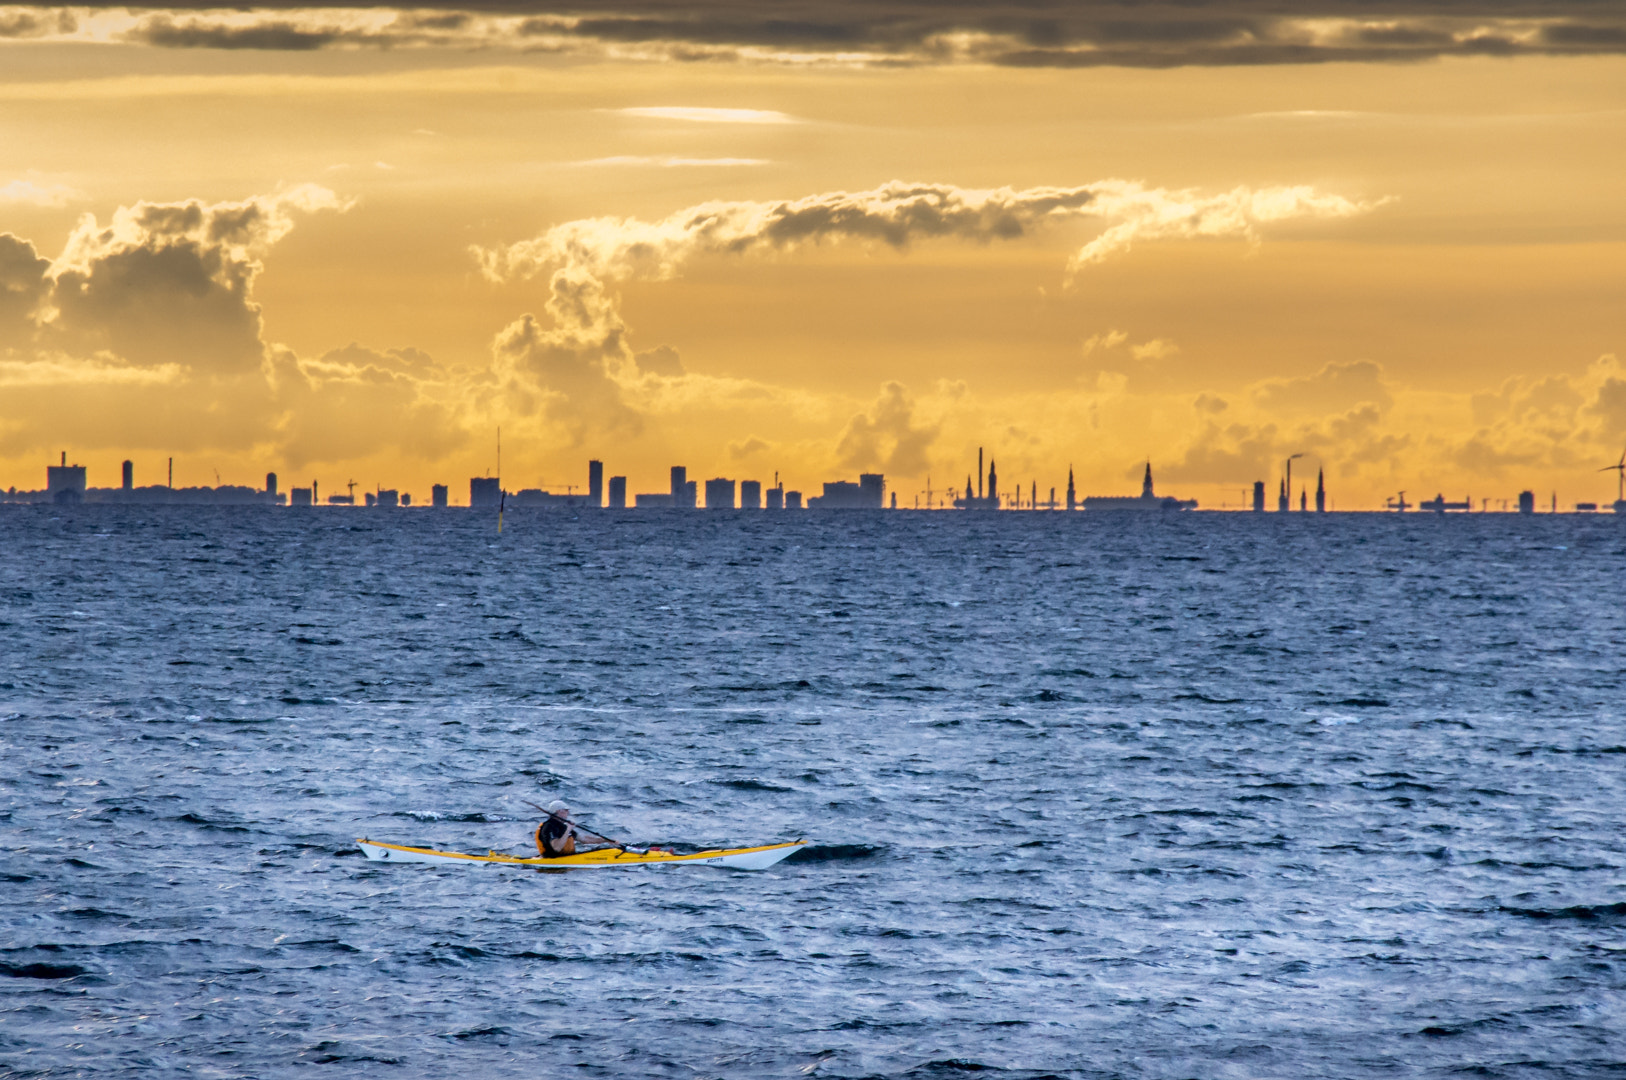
x=556 y=836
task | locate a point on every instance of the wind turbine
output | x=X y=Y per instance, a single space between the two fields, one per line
x=1619 y=469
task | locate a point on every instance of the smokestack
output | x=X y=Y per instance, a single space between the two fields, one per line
x=979 y=470
x=171 y=473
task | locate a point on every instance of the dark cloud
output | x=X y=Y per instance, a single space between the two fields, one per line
x=280 y=36
x=1025 y=33
x=171 y=283
x=1583 y=35
x=23 y=284
x=162 y=303
x=1610 y=408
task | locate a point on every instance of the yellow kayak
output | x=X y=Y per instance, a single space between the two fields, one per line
x=751 y=858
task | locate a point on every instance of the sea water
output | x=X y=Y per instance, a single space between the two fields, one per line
x=1088 y=795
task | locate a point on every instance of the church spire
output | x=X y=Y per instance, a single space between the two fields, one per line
x=1146 y=484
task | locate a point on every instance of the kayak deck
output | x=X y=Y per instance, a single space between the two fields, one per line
x=751 y=858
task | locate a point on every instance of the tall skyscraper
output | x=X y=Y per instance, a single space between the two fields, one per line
x=595 y=483
x=1321 y=491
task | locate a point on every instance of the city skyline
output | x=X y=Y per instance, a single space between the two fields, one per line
x=603 y=491
x=1386 y=240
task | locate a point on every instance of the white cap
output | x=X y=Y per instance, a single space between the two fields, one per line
x=557 y=807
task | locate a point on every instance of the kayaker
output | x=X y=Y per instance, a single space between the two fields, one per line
x=557 y=834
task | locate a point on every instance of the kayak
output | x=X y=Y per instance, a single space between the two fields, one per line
x=751 y=858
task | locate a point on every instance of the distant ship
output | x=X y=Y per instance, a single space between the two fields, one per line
x=1147 y=500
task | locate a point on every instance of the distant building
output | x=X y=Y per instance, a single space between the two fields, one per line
x=979 y=501
x=1321 y=491
x=1072 y=503
x=793 y=500
x=654 y=502
x=301 y=497
x=270 y=485
x=1586 y=508
x=372 y=500
x=536 y=498
x=341 y=500
x=1439 y=505
x=680 y=484
x=1259 y=496
x=690 y=496
x=719 y=494
x=1527 y=502
x=485 y=491
x=127 y=480
x=65 y=483
x=533 y=498
x=1147 y=500
x=618 y=493
x=406 y=498
x=776 y=498
x=1281 y=499
x=437 y=496
x=868 y=494
x=389 y=497
x=750 y=495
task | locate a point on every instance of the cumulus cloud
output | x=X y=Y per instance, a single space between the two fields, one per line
x=168 y=283
x=570 y=371
x=887 y=437
x=356 y=401
x=1337 y=385
x=144 y=333
x=23 y=285
x=1555 y=420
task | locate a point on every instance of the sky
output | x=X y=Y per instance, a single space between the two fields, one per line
x=814 y=238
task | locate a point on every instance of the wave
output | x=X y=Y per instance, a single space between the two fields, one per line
x=837 y=853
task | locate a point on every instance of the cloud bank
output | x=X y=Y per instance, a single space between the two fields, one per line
x=579 y=368
x=144 y=332
x=1024 y=33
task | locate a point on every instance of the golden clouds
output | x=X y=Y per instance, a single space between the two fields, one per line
x=707 y=264
x=145 y=331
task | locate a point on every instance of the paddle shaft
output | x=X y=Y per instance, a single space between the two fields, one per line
x=554 y=814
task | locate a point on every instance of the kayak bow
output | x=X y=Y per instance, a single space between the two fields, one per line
x=751 y=858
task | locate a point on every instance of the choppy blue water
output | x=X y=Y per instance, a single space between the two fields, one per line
x=1195 y=795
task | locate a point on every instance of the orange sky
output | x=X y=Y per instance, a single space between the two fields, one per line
x=322 y=262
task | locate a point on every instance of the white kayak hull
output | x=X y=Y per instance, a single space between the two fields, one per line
x=755 y=858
